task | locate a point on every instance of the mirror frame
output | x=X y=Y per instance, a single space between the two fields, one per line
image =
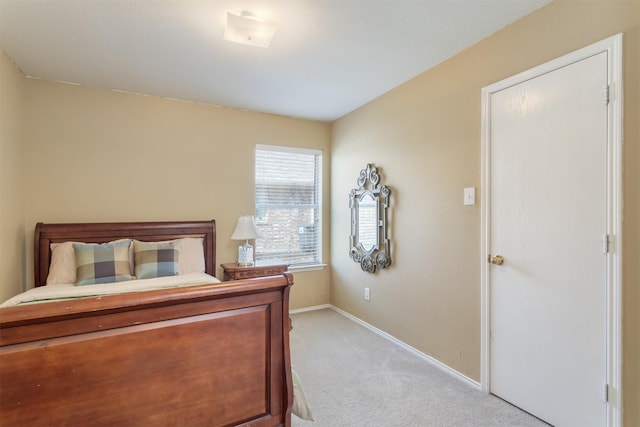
x=379 y=255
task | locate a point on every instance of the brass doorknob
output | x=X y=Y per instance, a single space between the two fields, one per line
x=497 y=260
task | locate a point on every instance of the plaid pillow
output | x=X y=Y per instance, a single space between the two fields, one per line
x=102 y=263
x=153 y=259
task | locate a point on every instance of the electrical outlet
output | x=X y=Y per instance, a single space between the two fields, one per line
x=367 y=295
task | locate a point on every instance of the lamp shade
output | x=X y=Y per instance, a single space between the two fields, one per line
x=245 y=229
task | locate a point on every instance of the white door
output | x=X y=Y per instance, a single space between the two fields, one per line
x=548 y=198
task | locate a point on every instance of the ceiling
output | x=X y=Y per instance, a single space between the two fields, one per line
x=327 y=58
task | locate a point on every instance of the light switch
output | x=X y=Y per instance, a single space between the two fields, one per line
x=470 y=196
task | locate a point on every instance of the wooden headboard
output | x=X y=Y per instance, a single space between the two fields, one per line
x=46 y=234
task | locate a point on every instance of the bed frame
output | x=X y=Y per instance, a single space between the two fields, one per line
x=214 y=355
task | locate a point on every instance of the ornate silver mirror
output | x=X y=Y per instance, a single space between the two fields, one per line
x=369 y=243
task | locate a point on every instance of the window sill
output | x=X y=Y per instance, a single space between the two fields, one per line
x=311 y=267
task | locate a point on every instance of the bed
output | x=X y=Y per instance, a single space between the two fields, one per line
x=214 y=354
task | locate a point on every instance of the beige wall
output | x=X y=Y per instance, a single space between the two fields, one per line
x=425 y=136
x=100 y=155
x=12 y=182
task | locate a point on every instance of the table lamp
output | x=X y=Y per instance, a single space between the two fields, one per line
x=245 y=229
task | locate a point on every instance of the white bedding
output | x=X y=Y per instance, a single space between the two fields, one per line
x=70 y=291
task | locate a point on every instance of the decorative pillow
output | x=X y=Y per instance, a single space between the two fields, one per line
x=154 y=259
x=191 y=255
x=102 y=263
x=62 y=268
x=191 y=251
x=301 y=407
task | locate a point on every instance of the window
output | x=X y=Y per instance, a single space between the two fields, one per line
x=288 y=205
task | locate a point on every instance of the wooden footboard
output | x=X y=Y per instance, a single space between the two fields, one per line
x=212 y=355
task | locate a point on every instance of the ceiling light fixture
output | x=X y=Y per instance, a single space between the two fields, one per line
x=248 y=29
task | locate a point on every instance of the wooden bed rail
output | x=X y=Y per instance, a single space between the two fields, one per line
x=214 y=355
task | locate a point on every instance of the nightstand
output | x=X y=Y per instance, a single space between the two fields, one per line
x=232 y=271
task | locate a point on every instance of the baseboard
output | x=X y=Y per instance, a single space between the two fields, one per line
x=418 y=353
x=315 y=307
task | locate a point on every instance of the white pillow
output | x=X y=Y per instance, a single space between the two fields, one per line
x=191 y=255
x=62 y=268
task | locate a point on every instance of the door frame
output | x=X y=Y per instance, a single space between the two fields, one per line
x=613 y=46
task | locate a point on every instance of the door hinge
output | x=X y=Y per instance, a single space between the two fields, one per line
x=606 y=241
x=606 y=95
x=606 y=392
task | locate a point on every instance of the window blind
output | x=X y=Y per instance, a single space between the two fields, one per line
x=288 y=205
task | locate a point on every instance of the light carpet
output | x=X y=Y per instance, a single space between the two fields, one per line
x=354 y=377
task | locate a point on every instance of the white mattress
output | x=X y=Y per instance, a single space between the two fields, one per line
x=70 y=291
